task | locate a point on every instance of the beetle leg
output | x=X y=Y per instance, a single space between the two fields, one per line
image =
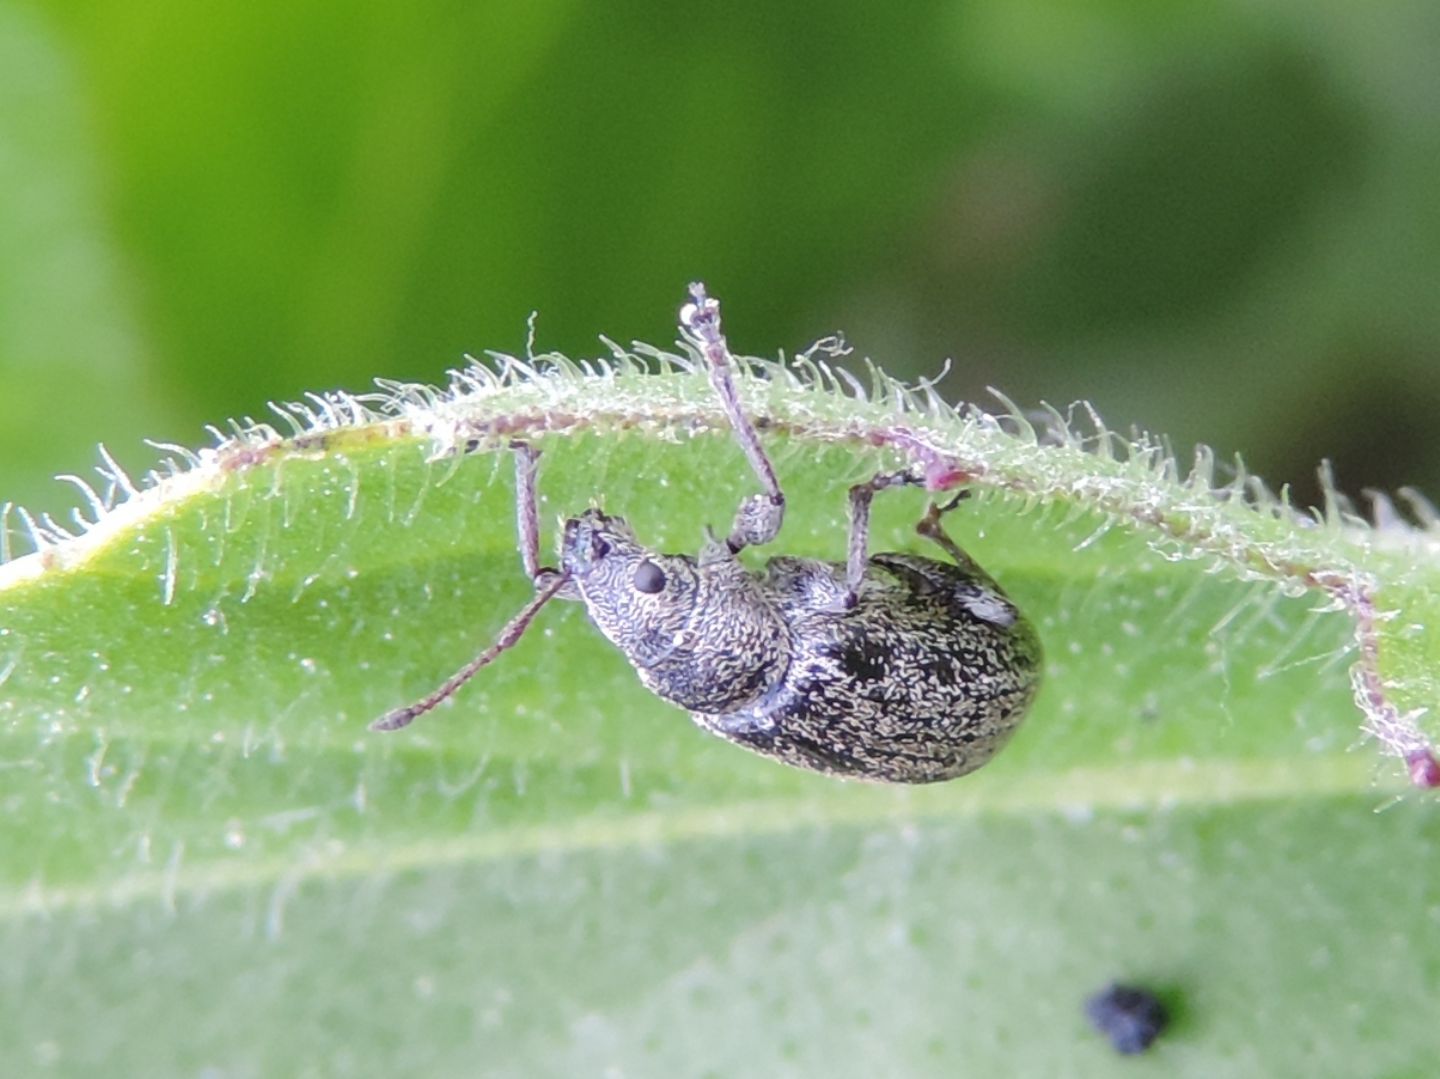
x=527 y=520
x=930 y=527
x=858 y=553
x=527 y=512
x=550 y=583
x=759 y=517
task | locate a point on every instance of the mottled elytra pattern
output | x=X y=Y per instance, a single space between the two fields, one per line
x=923 y=679
x=891 y=667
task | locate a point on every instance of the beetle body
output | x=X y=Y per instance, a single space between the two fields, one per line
x=923 y=677
x=889 y=667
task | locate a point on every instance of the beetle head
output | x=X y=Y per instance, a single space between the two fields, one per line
x=642 y=600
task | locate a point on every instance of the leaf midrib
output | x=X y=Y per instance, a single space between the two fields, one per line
x=1136 y=786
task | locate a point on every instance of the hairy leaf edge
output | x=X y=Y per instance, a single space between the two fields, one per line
x=1044 y=457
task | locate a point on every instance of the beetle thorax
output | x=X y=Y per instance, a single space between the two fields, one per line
x=704 y=637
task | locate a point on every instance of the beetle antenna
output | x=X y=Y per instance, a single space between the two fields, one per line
x=509 y=636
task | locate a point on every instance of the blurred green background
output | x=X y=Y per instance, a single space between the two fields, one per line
x=1216 y=221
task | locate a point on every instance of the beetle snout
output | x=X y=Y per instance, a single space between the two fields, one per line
x=593 y=518
x=589 y=538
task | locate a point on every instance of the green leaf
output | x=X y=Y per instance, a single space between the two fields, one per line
x=212 y=863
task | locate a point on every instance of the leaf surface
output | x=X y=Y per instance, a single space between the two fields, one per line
x=558 y=874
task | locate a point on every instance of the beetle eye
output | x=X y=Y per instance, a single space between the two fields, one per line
x=649 y=577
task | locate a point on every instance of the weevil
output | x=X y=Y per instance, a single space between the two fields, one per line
x=889 y=667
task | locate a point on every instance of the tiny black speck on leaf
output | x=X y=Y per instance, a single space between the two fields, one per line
x=1131 y=1018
